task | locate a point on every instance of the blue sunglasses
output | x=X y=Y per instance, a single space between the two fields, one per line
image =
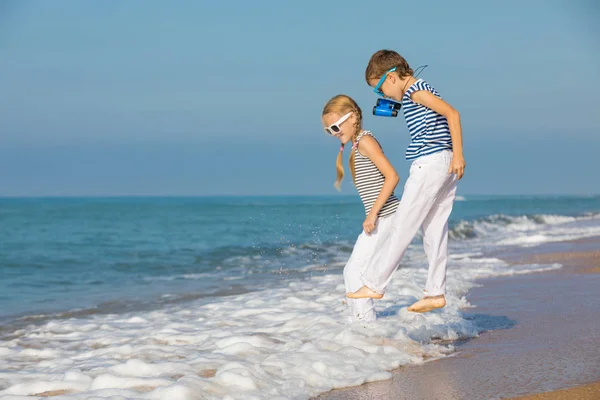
x=378 y=87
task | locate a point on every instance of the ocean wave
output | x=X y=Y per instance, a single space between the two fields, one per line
x=291 y=342
x=487 y=226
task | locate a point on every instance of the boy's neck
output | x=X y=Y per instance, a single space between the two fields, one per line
x=407 y=82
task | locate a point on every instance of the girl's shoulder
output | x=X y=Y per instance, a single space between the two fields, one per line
x=365 y=142
x=363 y=134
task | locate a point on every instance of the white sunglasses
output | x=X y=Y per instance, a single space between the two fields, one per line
x=334 y=128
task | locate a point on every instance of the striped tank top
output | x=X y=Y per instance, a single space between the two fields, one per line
x=429 y=131
x=369 y=181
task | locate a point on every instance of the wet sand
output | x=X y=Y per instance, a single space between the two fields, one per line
x=585 y=392
x=541 y=336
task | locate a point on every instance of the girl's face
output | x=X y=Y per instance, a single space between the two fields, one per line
x=342 y=126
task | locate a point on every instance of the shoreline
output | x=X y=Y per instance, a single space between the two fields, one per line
x=534 y=336
x=536 y=341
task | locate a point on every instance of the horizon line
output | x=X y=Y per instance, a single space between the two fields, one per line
x=466 y=195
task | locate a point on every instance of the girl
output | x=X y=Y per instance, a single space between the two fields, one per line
x=375 y=179
x=436 y=153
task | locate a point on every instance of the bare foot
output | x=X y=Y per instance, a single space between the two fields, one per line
x=428 y=304
x=364 y=293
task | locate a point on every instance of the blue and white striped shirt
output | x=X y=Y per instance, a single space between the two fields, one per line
x=429 y=131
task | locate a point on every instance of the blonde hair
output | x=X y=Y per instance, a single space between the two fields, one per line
x=342 y=105
x=384 y=60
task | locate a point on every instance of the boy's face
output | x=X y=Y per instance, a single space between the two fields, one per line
x=388 y=86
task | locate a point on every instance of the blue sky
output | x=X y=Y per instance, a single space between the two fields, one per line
x=207 y=98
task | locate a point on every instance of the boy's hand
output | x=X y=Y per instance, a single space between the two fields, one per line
x=457 y=165
x=370 y=223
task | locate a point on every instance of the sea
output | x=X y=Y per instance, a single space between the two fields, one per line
x=235 y=297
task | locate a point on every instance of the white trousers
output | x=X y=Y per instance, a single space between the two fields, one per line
x=426 y=203
x=363 y=252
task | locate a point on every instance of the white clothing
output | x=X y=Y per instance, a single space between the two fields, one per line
x=363 y=252
x=426 y=203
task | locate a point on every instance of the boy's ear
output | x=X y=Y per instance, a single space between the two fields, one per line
x=393 y=77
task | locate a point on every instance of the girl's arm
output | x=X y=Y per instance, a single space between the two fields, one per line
x=427 y=99
x=369 y=147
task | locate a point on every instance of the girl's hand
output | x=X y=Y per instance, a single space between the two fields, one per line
x=457 y=165
x=370 y=223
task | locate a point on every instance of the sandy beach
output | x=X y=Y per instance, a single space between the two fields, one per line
x=585 y=392
x=540 y=339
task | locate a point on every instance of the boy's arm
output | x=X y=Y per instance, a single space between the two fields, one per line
x=427 y=99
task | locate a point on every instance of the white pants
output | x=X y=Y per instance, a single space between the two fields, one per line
x=363 y=252
x=426 y=203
